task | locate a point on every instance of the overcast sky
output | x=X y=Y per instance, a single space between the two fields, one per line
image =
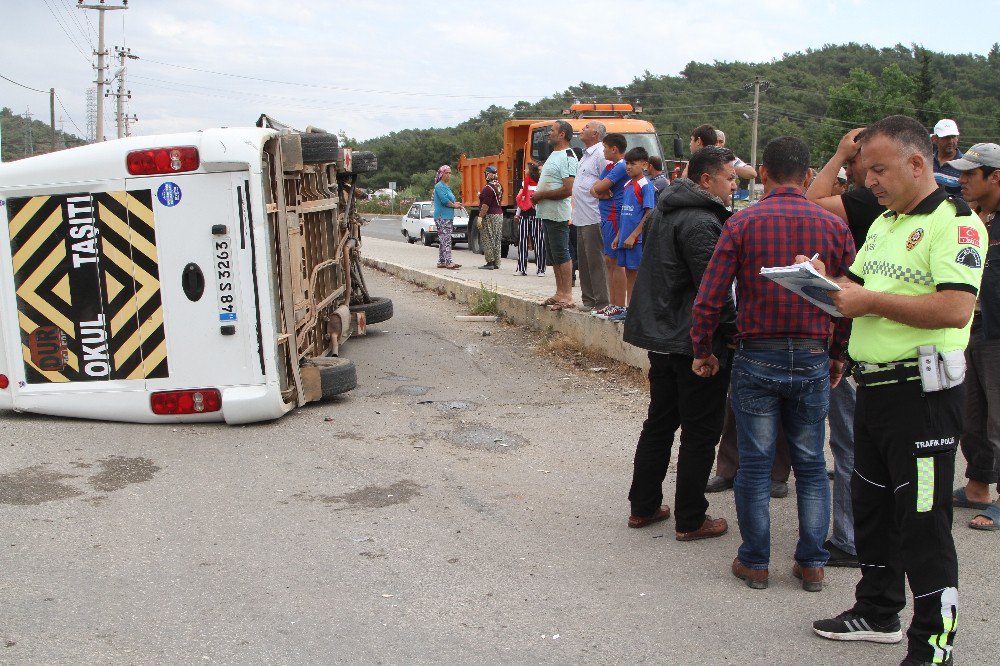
x=369 y=68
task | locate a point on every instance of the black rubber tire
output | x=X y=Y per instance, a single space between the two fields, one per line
x=425 y=239
x=338 y=378
x=319 y=147
x=379 y=310
x=504 y=249
x=410 y=240
x=363 y=161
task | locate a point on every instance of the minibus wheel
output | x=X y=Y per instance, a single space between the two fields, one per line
x=363 y=161
x=319 y=147
x=380 y=309
x=337 y=375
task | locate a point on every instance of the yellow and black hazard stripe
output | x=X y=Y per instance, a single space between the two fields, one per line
x=87 y=283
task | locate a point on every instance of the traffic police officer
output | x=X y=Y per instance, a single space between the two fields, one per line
x=911 y=292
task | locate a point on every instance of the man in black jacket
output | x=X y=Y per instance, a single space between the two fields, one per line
x=679 y=242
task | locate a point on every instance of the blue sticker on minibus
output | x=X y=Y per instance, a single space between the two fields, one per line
x=169 y=194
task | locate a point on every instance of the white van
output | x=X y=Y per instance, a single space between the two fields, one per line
x=204 y=276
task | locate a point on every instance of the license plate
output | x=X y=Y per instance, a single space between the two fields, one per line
x=225 y=279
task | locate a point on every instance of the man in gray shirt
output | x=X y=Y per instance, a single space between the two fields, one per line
x=587 y=218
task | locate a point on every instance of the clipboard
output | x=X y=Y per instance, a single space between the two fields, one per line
x=807 y=282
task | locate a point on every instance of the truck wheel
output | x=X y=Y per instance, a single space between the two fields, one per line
x=379 y=310
x=504 y=249
x=319 y=147
x=339 y=377
x=363 y=161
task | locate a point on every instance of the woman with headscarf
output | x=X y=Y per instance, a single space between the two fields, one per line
x=444 y=216
x=491 y=216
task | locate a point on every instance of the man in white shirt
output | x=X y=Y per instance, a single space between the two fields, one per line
x=587 y=218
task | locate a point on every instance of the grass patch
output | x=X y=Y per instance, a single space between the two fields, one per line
x=485 y=301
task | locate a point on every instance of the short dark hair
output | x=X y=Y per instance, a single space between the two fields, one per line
x=637 y=154
x=565 y=128
x=706 y=133
x=903 y=130
x=616 y=140
x=533 y=171
x=786 y=159
x=656 y=162
x=710 y=159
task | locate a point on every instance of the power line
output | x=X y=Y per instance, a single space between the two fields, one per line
x=63 y=106
x=71 y=18
x=65 y=31
x=23 y=86
x=869 y=101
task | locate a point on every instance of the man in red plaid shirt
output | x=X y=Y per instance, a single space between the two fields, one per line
x=785 y=361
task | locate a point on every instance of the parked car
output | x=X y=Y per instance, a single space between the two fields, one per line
x=418 y=224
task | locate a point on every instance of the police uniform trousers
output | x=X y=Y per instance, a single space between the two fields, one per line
x=904 y=466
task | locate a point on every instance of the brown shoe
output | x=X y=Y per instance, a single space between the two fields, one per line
x=642 y=521
x=756 y=578
x=712 y=527
x=811 y=577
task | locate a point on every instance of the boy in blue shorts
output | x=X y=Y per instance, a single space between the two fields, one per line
x=638 y=201
x=608 y=191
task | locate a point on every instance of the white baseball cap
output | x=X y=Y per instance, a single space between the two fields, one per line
x=946 y=127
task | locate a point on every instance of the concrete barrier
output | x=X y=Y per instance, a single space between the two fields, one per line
x=597 y=335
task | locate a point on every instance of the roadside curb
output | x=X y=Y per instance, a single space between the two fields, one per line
x=601 y=336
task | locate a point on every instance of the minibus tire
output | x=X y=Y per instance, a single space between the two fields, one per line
x=379 y=310
x=338 y=378
x=319 y=147
x=363 y=161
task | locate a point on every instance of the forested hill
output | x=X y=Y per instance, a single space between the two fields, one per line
x=816 y=95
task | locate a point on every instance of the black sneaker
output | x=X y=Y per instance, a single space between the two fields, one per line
x=779 y=489
x=849 y=626
x=840 y=558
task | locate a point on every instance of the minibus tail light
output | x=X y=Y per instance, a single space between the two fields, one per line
x=4 y=382
x=162 y=160
x=193 y=401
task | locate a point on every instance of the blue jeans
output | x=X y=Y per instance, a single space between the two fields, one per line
x=842 y=401
x=791 y=387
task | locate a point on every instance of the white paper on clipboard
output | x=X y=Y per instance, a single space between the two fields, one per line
x=807 y=282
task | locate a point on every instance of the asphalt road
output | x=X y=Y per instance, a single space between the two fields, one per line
x=466 y=504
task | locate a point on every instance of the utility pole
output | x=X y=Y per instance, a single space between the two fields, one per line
x=101 y=52
x=52 y=116
x=122 y=94
x=757 y=84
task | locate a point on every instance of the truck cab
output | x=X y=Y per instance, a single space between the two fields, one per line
x=528 y=140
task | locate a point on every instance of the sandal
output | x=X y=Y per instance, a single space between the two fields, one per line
x=549 y=301
x=993 y=514
x=960 y=499
x=442 y=265
x=562 y=305
x=453 y=267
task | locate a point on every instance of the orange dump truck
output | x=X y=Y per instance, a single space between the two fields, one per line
x=528 y=139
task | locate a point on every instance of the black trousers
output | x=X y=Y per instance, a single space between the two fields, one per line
x=678 y=398
x=904 y=466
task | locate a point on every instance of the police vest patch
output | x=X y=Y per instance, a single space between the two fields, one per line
x=969 y=257
x=914 y=238
x=968 y=236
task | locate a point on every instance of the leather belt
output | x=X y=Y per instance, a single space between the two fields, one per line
x=777 y=344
